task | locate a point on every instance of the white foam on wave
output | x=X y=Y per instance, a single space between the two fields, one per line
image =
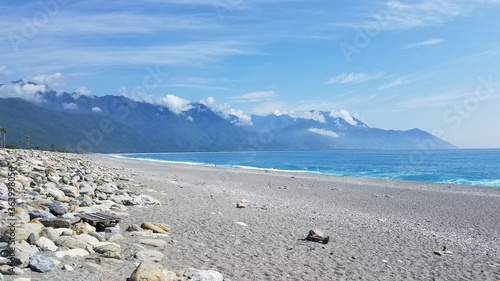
x=485 y=182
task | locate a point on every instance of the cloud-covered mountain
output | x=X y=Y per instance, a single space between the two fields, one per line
x=80 y=121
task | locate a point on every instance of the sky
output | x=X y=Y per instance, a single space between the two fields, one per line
x=432 y=65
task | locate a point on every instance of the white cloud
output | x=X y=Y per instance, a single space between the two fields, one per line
x=344 y=114
x=54 y=81
x=83 y=91
x=69 y=105
x=243 y=119
x=314 y=115
x=96 y=109
x=273 y=107
x=188 y=53
x=209 y=102
x=422 y=13
x=256 y=96
x=123 y=91
x=190 y=118
x=353 y=78
x=176 y=104
x=425 y=43
x=33 y=89
x=397 y=82
x=28 y=92
x=323 y=132
x=138 y=96
x=226 y=111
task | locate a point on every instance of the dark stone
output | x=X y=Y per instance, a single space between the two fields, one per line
x=41 y=214
x=56 y=222
x=317 y=236
x=59 y=208
x=31 y=239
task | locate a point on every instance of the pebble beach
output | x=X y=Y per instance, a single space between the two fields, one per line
x=190 y=222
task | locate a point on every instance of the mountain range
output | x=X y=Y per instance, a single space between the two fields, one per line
x=77 y=122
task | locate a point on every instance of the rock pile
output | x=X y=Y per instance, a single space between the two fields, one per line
x=42 y=198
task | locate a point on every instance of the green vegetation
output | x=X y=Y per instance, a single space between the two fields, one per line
x=11 y=146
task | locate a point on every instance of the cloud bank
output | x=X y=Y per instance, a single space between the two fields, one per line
x=323 y=132
x=344 y=114
x=176 y=104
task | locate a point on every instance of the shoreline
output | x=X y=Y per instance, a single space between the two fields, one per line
x=283 y=170
x=379 y=229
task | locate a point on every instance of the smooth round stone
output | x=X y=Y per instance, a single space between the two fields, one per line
x=153 y=242
x=69 y=242
x=85 y=238
x=107 y=248
x=151 y=255
x=59 y=208
x=49 y=233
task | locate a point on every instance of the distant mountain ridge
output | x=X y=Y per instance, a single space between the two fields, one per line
x=118 y=124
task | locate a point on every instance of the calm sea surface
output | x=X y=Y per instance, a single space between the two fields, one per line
x=464 y=166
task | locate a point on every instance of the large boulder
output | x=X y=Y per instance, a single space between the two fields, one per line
x=148 y=271
x=46 y=244
x=59 y=208
x=41 y=264
x=83 y=228
x=35 y=214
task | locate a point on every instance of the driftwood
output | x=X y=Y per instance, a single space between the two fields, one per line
x=317 y=235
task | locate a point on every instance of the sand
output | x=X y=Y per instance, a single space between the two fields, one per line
x=379 y=229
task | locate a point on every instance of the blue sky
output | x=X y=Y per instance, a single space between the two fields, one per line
x=432 y=65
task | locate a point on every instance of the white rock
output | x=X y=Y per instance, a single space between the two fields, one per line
x=241 y=223
x=46 y=244
x=206 y=275
x=146 y=200
x=105 y=243
x=25 y=181
x=72 y=253
x=87 y=239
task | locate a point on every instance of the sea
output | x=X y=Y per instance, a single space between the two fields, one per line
x=456 y=166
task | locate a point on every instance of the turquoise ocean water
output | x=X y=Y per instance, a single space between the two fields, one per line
x=461 y=166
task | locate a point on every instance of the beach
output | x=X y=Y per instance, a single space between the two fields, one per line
x=379 y=229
